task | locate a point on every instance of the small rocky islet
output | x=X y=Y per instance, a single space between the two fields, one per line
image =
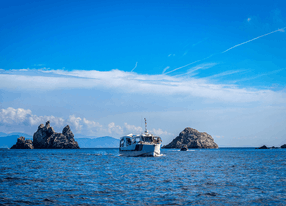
x=265 y=147
x=46 y=138
x=192 y=138
x=23 y=144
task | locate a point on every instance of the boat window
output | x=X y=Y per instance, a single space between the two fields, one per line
x=128 y=141
x=138 y=139
x=122 y=143
x=148 y=139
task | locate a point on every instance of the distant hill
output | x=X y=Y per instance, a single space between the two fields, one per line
x=99 y=142
x=21 y=134
x=2 y=134
x=8 y=140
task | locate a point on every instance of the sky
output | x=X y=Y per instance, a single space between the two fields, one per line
x=103 y=66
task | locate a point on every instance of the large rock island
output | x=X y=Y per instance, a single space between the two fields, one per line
x=193 y=139
x=46 y=138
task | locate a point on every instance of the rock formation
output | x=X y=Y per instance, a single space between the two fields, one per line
x=283 y=146
x=193 y=139
x=273 y=147
x=262 y=147
x=46 y=138
x=184 y=148
x=23 y=144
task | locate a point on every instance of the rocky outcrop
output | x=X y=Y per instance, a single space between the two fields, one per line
x=283 y=146
x=23 y=144
x=192 y=138
x=263 y=147
x=273 y=147
x=46 y=138
x=184 y=148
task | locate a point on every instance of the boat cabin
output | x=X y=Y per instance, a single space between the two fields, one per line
x=129 y=140
x=138 y=139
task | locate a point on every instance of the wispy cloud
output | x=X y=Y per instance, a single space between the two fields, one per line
x=226 y=73
x=248 y=19
x=195 y=44
x=200 y=67
x=134 y=67
x=39 y=65
x=189 y=64
x=278 y=30
x=183 y=66
x=253 y=39
x=130 y=82
x=259 y=75
x=166 y=68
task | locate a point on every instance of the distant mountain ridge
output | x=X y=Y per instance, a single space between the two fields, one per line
x=8 y=140
x=2 y=134
x=99 y=142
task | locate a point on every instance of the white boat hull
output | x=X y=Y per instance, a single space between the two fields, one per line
x=141 y=150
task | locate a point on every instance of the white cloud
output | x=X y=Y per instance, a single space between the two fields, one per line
x=36 y=120
x=248 y=19
x=114 y=129
x=75 y=121
x=11 y=117
x=131 y=82
x=14 y=116
x=25 y=116
x=160 y=132
x=92 y=124
x=132 y=129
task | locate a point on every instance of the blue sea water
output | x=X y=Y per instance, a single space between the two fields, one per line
x=226 y=176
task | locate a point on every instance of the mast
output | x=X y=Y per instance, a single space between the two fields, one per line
x=145 y=126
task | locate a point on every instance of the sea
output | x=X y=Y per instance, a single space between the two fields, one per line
x=225 y=176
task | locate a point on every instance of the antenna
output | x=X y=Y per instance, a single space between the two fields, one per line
x=145 y=125
x=141 y=123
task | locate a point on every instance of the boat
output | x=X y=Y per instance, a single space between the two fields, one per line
x=142 y=145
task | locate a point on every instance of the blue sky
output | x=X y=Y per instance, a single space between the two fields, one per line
x=101 y=66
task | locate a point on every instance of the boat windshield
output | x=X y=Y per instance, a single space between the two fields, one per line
x=148 y=139
x=122 y=143
x=128 y=141
x=137 y=139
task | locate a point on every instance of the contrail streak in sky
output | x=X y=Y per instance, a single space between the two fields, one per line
x=189 y=64
x=282 y=30
x=134 y=67
x=253 y=39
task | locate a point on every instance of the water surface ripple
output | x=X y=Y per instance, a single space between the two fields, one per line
x=224 y=176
